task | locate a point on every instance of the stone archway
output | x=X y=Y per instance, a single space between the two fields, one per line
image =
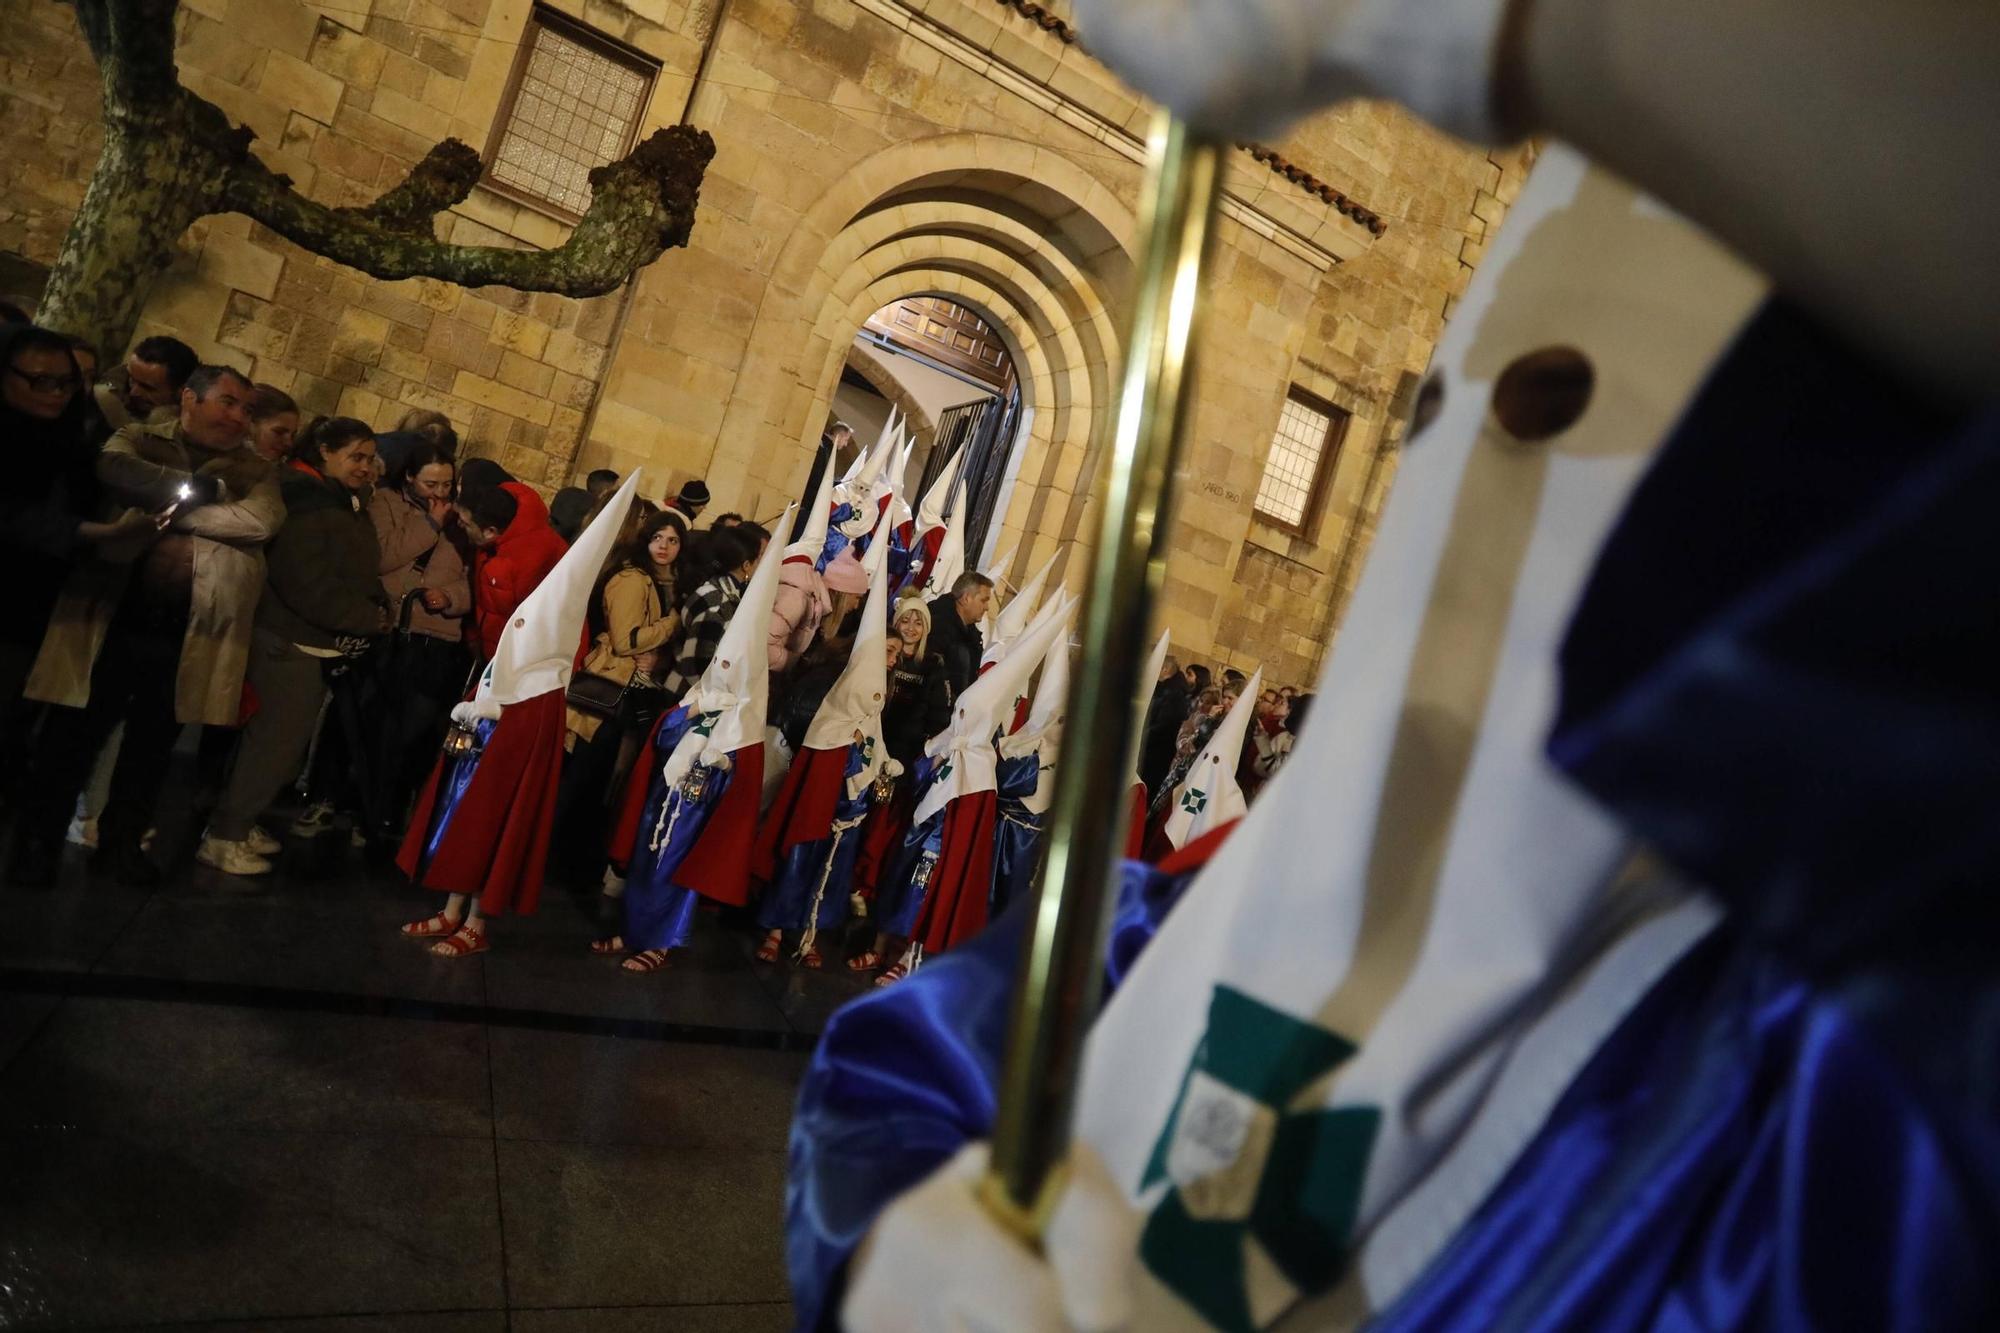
x=1018 y=232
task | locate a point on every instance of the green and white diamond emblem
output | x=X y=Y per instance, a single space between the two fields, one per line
x=1261 y=1198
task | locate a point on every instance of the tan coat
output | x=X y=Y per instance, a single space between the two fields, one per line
x=635 y=625
x=404 y=533
x=142 y=467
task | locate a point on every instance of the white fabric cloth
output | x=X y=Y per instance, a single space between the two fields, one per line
x=736 y=687
x=996 y=1284
x=811 y=542
x=949 y=562
x=854 y=704
x=537 y=649
x=984 y=710
x=1041 y=734
x=1419 y=880
x=1015 y=617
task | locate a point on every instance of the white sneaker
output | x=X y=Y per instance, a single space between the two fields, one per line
x=314 y=820
x=231 y=858
x=262 y=843
x=82 y=832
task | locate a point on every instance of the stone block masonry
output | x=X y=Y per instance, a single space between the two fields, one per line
x=868 y=150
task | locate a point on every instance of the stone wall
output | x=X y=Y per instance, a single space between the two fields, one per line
x=344 y=97
x=867 y=150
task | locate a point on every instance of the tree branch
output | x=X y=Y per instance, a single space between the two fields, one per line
x=641 y=205
x=133 y=41
x=444 y=178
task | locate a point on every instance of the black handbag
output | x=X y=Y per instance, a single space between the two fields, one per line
x=595 y=695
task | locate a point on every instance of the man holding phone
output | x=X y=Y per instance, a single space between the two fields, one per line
x=155 y=633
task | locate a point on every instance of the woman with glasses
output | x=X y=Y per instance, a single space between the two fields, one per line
x=45 y=506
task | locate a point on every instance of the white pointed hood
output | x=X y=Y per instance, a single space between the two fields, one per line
x=900 y=475
x=931 y=509
x=868 y=482
x=811 y=543
x=537 y=650
x=854 y=704
x=1019 y=614
x=1049 y=689
x=1209 y=797
x=1045 y=722
x=872 y=463
x=1152 y=679
x=886 y=473
x=950 y=560
x=995 y=569
x=863 y=456
x=992 y=570
x=736 y=687
x=986 y=708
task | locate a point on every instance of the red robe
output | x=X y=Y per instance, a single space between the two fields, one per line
x=956 y=901
x=632 y=806
x=887 y=823
x=498 y=842
x=1135 y=831
x=803 y=811
x=718 y=865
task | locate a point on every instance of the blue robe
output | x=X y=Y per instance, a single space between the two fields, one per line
x=899 y=894
x=822 y=870
x=1781 y=675
x=659 y=914
x=898 y=1085
x=451 y=787
x=836 y=540
x=1019 y=832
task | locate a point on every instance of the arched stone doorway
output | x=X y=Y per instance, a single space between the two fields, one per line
x=995 y=225
x=947 y=369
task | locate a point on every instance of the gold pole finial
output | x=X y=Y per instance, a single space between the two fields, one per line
x=1061 y=971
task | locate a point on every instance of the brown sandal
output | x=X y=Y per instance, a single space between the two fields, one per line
x=616 y=944
x=431 y=927
x=649 y=960
x=768 y=951
x=864 y=962
x=461 y=943
x=811 y=959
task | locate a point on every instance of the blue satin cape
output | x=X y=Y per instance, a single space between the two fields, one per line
x=1018 y=832
x=899 y=893
x=451 y=788
x=906 y=1076
x=788 y=902
x=659 y=914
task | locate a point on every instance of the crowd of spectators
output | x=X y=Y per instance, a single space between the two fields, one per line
x=303 y=601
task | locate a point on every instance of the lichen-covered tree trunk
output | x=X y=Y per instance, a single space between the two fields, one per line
x=171 y=158
x=150 y=184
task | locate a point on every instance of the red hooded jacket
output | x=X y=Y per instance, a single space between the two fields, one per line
x=504 y=573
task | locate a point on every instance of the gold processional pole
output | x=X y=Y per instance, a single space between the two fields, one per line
x=1056 y=991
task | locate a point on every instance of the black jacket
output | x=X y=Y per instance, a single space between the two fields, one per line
x=48 y=492
x=918 y=708
x=958 y=643
x=1163 y=726
x=321 y=584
